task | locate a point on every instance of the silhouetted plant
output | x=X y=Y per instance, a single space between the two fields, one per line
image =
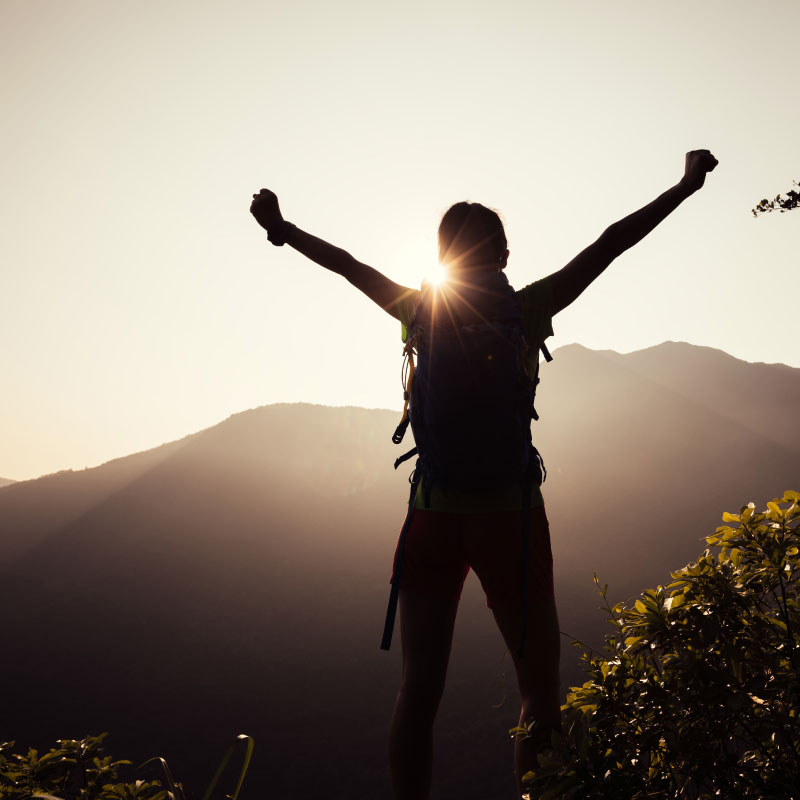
x=698 y=692
x=78 y=770
x=780 y=203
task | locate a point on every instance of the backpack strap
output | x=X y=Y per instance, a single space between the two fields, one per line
x=407 y=378
x=547 y=357
x=400 y=432
x=410 y=454
x=526 y=535
x=394 y=594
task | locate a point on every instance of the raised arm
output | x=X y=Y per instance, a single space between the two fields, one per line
x=386 y=293
x=572 y=279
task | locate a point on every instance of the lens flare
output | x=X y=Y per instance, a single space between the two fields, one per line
x=437 y=275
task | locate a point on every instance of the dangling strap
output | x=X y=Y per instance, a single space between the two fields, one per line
x=394 y=594
x=410 y=454
x=547 y=357
x=400 y=430
x=407 y=378
x=526 y=535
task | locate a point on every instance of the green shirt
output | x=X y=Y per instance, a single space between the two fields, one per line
x=536 y=300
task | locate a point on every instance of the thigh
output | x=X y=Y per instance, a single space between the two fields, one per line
x=433 y=557
x=427 y=622
x=495 y=552
x=493 y=545
x=431 y=581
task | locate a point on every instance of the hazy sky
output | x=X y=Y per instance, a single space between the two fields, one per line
x=140 y=302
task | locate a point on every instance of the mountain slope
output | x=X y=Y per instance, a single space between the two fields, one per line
x=762 y=397
x=236 y=580
x=30 y=511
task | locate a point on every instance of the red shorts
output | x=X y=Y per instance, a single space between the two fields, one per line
x=441 y=547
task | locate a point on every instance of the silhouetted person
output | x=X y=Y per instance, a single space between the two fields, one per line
x=453 y=528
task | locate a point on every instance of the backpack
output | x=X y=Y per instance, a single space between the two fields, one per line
x=468 y=398
x=471 y=400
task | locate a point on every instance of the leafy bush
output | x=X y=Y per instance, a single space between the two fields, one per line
x=78 y=770
x=71 y=769
x=698 y=692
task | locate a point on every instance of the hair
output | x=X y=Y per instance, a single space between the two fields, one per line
x=472 y=236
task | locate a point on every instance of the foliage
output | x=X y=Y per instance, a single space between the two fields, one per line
x=698 y=692
x=78 y=770
x=792 y=200
x=71 y=769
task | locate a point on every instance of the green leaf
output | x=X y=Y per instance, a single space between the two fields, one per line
x=778 y=623
x=223 y=763
x=675 y=600
x=775 y=510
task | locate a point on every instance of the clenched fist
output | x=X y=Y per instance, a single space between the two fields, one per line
x=265 y=209
x=698 y=164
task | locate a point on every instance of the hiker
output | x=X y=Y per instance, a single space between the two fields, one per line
x=467 y=509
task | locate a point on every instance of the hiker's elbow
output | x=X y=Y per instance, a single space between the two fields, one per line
x=611 y=242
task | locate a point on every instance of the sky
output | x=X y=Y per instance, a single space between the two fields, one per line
x=140 y=302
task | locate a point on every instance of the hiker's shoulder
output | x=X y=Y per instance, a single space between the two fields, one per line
x=536 y=300
x=537 y=296
x=406 y=307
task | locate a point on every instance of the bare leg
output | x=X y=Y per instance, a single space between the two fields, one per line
x=427 y=623
x=537 y=676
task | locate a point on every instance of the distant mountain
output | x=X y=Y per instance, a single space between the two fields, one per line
x=236 y=580
x=761 y=397
x=5 y=482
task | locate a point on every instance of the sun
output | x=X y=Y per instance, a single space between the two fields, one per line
x=417 y=262
x=437 y=275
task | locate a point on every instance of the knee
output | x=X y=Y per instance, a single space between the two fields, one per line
x=540 y=689
x=419 y=696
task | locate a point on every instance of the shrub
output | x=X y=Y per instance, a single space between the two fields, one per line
x=70 y=769
x=78 y=770
x=698 y=692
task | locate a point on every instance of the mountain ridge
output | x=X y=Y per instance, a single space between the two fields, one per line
x=235 y=580
x=663 y=347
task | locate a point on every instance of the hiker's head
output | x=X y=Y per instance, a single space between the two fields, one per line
x=472 y=236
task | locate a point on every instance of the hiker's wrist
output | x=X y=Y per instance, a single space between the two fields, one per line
x=684 y=188
x=280 y=232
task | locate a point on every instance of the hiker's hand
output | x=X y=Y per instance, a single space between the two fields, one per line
x=698 y=163
x=265 y=209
